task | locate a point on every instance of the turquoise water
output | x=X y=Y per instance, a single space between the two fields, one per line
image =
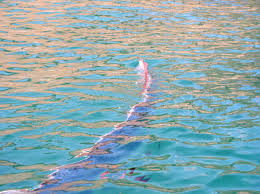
x=67 y=77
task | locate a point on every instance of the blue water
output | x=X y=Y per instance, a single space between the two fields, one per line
x=67 y=77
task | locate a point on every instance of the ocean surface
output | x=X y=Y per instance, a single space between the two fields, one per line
x=67 y=77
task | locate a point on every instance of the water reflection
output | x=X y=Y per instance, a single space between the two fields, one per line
x=66 y=78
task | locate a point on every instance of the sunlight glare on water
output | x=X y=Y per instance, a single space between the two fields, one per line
x=67 y=77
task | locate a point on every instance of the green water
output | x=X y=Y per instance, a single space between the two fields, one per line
x=67 y=77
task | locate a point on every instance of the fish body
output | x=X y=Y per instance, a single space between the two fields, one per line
x=110 y=150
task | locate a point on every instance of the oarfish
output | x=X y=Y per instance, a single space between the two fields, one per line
x=102 y=159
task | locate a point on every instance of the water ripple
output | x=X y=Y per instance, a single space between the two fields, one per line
x=67 y=78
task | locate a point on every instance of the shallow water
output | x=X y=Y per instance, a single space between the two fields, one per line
x=67 y=77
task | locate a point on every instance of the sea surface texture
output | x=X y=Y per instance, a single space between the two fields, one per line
x=67 y=77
